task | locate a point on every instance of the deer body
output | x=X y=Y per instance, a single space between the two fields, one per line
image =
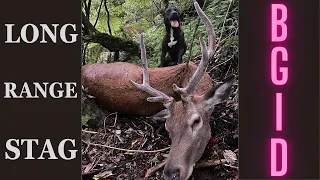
x=110 y=84
x=184 y=95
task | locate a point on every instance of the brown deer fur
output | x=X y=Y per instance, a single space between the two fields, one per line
x=185 y=92
x=109 y=83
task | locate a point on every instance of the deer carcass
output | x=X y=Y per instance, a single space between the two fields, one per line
x=182 y=94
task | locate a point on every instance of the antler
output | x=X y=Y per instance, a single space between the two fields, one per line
x=209 y=29
x=145 y=86
x=207 y=54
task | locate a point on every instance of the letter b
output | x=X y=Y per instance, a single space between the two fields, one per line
x=275 y=22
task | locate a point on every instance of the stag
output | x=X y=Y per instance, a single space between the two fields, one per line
x=182 y=94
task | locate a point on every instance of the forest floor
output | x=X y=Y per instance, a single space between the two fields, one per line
x=139 y=133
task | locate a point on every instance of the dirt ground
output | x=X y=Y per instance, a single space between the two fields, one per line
x=139 y=133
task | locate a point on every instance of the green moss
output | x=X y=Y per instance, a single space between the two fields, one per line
x=84 y=119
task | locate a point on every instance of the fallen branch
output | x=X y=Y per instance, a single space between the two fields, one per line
x=91 y=132
x=112 y=43
x=203 y=164
x=91 y=172
x=210 y=163
x=127 y=150
x=154 y=169
x=234 y=167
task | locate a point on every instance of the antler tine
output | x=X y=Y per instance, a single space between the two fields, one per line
x=209 y=29
x=207 y=53
x=145 y=86
x=196 y=77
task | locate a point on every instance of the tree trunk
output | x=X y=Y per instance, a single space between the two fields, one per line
x=112 y=43
x=116 y=56
x=108 y=15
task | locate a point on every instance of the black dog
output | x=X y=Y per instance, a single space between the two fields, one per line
x=173 y=42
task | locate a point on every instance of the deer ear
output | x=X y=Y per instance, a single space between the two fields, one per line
x=218 y=93
x=162 y=115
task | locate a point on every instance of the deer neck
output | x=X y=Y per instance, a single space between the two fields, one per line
x=163 y=78
x=188 y=70
x=179 y=74
x=183 y=72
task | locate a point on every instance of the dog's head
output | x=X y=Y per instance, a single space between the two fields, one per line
x=172 y=17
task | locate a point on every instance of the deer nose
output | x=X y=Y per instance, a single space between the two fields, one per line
x=172 y=174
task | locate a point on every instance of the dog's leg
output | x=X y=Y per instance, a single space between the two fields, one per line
x=180 y=54
x=163 y=58
x=163 y=55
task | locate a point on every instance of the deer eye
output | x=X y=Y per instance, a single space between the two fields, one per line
x=196 y=122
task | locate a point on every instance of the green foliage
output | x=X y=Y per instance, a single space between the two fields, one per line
x=129 y=18
x=84 y=119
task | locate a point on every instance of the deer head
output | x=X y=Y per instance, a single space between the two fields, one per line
x=188 y=120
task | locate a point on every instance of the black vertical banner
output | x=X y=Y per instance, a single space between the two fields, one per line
x=279 y=115
x=40 y=133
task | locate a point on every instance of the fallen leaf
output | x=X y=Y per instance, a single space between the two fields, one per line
x=155 y=159
x=88 y=168
x=103 y=175
x=230 y=156
x=213 y=140
x=118 y=131
x=130 y=153
x=135 y=141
